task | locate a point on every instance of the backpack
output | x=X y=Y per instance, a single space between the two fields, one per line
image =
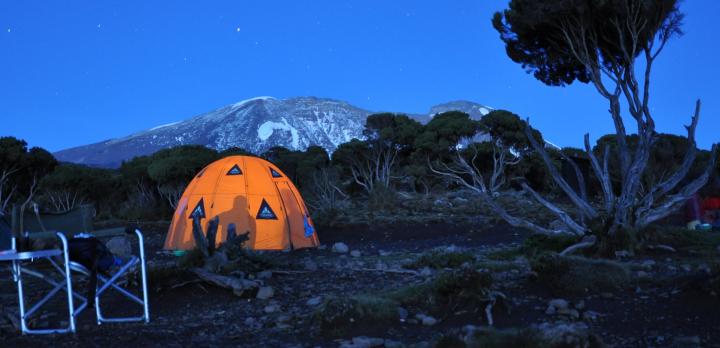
x=93 y=255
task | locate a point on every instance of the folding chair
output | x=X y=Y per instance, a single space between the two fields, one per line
x=106 y=283
x=18 y=258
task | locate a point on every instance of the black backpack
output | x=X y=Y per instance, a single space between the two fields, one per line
x=95 y=256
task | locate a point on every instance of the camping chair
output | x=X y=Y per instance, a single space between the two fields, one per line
x=18 y=258
x=105 y=283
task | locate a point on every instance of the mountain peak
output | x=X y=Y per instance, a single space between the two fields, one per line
x=475 y=110
x=243 y=102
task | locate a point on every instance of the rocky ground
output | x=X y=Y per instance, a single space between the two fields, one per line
x=663 y=300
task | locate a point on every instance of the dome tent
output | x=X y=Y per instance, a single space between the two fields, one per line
x=251 y=193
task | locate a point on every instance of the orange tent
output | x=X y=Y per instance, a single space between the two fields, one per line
x=251 y=193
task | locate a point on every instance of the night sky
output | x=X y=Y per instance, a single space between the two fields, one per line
x=78 y=72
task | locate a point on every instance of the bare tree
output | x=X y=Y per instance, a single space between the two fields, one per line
x=612 y=45
x=65 y=200
x=6 y=198
x=374 y=167
x=466 y=173
x=325 y=194
x=171 y=193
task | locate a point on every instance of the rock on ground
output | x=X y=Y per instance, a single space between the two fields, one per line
x=265 y=293
x=119 y=246
x=340 y=248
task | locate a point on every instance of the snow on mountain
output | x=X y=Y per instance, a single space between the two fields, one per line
x=475 y=110
x=254 y=124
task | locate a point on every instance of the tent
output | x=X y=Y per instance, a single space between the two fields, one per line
x=251 y=193
x=5 y=234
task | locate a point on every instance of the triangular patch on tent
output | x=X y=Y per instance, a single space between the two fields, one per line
x=265 y=212
x=235 y=170
x=275 y=174
x=199 y=209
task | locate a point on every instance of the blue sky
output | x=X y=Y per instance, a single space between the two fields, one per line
x=77 y=72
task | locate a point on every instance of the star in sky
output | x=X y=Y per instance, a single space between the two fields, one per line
x=9 y=30
x=237 y=30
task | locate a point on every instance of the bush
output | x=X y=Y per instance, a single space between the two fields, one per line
x=461 y=288
x=338 y=316
x=442 y=259
x=382 y=198
x=574 y=275
x=506 y=338
x=684 y=240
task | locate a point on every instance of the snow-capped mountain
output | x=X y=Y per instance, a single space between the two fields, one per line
x=255 y=125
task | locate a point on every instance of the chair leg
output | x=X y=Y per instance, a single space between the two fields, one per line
x=17 y=269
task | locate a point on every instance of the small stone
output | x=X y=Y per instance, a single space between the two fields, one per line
x=574 y=314
x=311 y=265
x=264 y=275
x=693 y=341
x=703 y=267
x=590 y=315
x=622 y=254
x=426 y=272
x=340 y=248
x=383 y=253
x=559 y=303
x=250 y=321
x=322 y=247
x=367 y=342
x=314 y=301
x=648 y=264
x=355 y=253
x=685 y=267
x=425 y=319
x=119 y=246
x=643 y=274
x=271 y=308
x=402 y=313
x=393 y=344
x=265 y=292
x=580 y=305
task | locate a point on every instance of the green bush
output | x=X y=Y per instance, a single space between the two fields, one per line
x=442 y=259
x=338 y=316
x=382 y=199
x=682 y=239
x=491 y=338
x=574 y=275
x=455 y=289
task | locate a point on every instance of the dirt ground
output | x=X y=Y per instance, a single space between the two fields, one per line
x=200 y=315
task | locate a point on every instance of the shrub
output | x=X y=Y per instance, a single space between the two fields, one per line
x=441 y=259
x=575 y=275
x=465 y=288
x=339 y=316
x=382 y=198
x=682 y=239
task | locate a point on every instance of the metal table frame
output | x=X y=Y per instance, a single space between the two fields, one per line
x=17 y=259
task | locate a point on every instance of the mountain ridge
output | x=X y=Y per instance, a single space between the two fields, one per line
x=254 y=124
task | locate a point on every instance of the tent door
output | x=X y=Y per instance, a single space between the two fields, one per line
x=294 y=214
